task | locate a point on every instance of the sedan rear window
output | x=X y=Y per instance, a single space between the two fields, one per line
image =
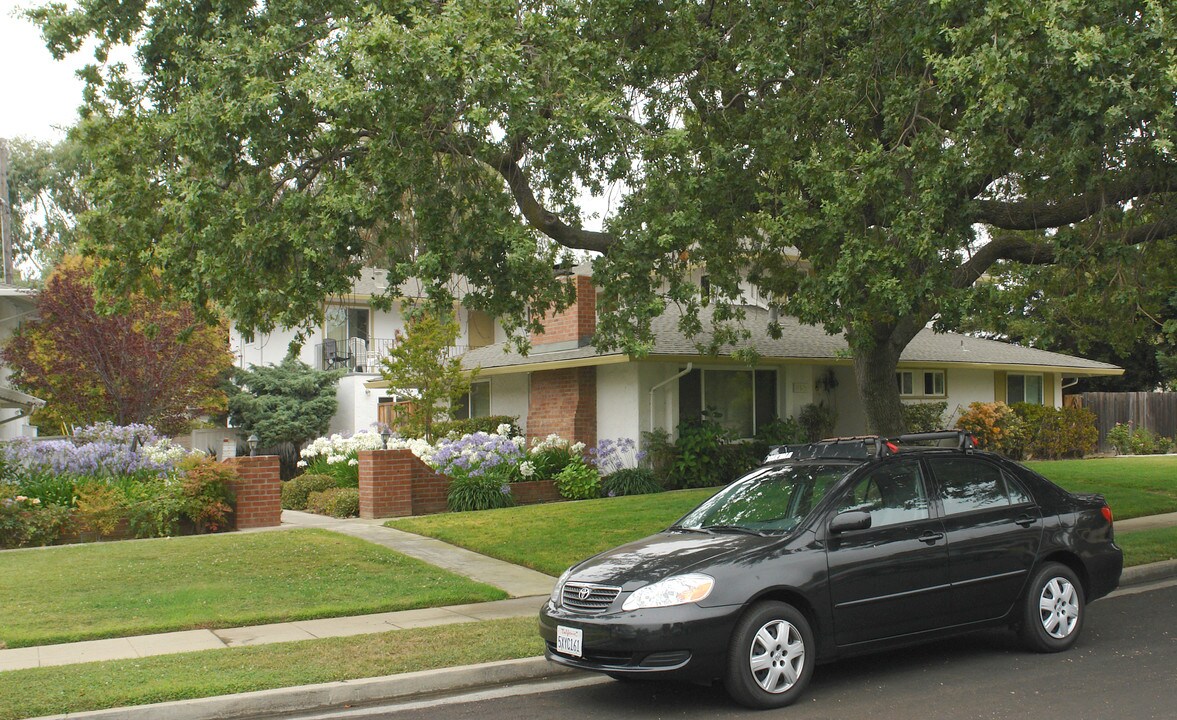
x=771 y=499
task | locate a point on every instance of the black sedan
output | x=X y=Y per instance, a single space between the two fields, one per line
x=835 y=549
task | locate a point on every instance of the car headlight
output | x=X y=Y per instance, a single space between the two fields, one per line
x=559 y=588
x=677 y=590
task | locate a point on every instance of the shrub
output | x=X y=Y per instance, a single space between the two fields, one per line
x=27 y=522
x=661 y=453
x=550 y=455
x=776 y=432
x=474 y=455
x=206 y=493
x=630 y=481
x=479 y=492
x=1147 y=442
x=340 y=502
x=995 y=426
x=1051 y=433
x=295 y=492
x=924 y=417
x=1120 y=438
x=817 y=421
x=699 y=460
x=469 y=426
x=609 y=456
x=100 y=508
x=578 y=481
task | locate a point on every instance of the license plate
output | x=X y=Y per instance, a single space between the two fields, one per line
x=569 y=641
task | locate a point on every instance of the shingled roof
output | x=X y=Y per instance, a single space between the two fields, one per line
x=798 y=342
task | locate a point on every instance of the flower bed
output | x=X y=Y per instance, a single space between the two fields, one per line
x=108 y=481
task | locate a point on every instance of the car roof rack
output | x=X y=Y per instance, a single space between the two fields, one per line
x=865 y=447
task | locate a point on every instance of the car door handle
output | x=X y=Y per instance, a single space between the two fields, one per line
x=930 y=537
x=1026 y=520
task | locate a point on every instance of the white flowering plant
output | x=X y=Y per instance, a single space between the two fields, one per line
x=337 y=455
x=550 y=455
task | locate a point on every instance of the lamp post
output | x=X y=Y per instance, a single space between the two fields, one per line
x=252 y=442
x=385 y=433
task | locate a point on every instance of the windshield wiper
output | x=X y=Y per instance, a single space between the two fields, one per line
x=737 y=528
x=684 y=528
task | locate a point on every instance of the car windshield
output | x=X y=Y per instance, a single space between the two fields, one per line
x=770 y=499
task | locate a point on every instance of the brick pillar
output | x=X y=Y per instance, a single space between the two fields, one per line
x=259 y=492
x=386 y=483
x=564 y=402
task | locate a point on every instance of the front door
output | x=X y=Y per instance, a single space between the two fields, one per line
x=892 y=578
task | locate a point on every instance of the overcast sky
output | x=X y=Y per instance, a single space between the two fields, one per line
x=38 y=95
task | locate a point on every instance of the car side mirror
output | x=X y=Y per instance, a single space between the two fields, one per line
x=850 y=520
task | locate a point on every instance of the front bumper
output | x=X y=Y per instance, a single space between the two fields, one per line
x=684 y=640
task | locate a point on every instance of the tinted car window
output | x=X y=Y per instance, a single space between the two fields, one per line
x=894 y=494
x=772 y=498
x=968 y=484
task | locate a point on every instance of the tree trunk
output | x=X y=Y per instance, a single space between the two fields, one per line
x=875 y=361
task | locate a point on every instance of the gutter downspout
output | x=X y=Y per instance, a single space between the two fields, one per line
x=690 y=366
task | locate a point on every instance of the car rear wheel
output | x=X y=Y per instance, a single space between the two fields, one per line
x=770 y=656
x=1054 y=609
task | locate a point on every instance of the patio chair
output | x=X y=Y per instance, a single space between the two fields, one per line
x=332 y=358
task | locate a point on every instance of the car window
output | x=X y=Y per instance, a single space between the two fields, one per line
x=892 y=494
x=769 y=499
x=970 y=484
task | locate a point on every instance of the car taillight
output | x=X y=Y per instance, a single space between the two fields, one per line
x=1107 y=513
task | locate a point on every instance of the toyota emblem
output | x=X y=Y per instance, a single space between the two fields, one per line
x=584 y=593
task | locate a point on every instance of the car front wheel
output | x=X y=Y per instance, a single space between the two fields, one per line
x=770 y=656
x=1054 y=609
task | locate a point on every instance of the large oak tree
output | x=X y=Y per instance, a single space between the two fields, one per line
x=863 y=163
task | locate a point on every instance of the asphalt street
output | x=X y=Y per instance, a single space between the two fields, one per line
x=1124 y=666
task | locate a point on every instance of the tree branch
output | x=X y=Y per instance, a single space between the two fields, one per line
x=1042 y=215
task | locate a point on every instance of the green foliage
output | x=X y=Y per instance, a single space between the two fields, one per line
x=206 y=493
x=550 y=461
x=44 y=186
x=697 y=460
x=924 y=417
x=422 y=365
x=630 y=481
x=51 y=487
x=874 y=141
x=578 y=481
x=296 y=492
x=480 y=492
x=1055 y=433
x=776 y=432
x=340 y=502
x=100 y=508
x=817 y=420
x=343 y=473
x=1138 y=441
x=28 y=522
x=467 y=426
x=287 y=403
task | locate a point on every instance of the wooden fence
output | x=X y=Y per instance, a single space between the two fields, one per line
x=1151 y=410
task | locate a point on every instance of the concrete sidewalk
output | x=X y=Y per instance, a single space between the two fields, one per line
x=528 y=590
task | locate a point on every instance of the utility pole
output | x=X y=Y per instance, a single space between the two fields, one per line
x=5 y=213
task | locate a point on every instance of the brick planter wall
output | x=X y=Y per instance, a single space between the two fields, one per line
x=396 y=483
x=259 y=492
x=534 y=492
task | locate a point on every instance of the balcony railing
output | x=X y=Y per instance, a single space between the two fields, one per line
x=358 y=355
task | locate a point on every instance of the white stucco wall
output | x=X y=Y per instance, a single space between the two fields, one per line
x=623 y=408
x=508 y=396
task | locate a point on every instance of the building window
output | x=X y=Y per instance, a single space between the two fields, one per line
x=474 y=404
x=921 y=383
x=740 y=400
x=1023 y=389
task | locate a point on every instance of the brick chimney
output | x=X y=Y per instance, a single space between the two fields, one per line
x=573 y=327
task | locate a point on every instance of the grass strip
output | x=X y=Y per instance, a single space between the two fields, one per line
x=1148 y=546
x=85 y=592
x=117 y=683
x=551 y=537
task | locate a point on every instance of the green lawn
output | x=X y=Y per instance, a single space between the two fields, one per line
x=82 y=592
x=117 y=683
x=1147 y=546
x=550 y=538
x=1134 y=486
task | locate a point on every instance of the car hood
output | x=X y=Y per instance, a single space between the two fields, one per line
x=667 y=553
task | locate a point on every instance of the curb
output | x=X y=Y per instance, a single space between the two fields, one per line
x=335 y=695
x=338 y=695
x=1162 y=570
